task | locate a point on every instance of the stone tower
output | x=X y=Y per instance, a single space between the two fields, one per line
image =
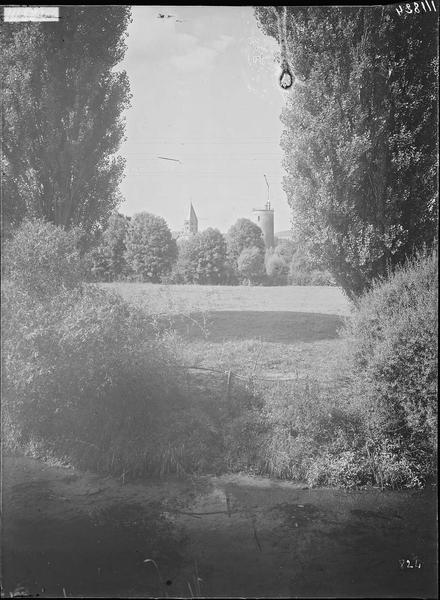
x=191 y=224
x=263 y=217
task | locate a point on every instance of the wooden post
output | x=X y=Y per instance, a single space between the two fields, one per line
x=228 y=389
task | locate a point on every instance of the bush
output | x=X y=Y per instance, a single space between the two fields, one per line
x=85 y=378
x=382 y=428
x=393 y=343
x=43 y=259
x=297 y=433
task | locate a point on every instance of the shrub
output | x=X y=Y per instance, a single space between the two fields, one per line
x=85 y=377
x=295 y=433
x=43 y=259
x=393 y=343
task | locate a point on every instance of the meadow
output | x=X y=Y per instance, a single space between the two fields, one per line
x=305 y=299
x=288 y=330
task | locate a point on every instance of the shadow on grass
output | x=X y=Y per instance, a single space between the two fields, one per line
x=268 y=326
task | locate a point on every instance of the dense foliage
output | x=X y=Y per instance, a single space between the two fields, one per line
x=151 y=249
x=84 y=377
x=380 y=427
x=206 y=258
x=202 y=259
x=62 y=102
x=107 y=259
x=290 y=263
x=250 y=265
x=360 y=135
x=304 y=269
x=43 y=260
x=277 y=267
x=394 y=348
x=243 y=234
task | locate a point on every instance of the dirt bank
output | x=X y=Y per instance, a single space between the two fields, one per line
x=76 y=534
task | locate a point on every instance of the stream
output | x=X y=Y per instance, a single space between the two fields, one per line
x=66 y=533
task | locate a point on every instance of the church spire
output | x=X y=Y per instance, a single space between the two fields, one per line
x=191 y=224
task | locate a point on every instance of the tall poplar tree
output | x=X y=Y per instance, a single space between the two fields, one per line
x=360 y=136
x=62 y=103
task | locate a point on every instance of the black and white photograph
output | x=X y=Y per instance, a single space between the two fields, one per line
x=219 y=301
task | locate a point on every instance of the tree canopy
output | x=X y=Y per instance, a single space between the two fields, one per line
x=360 y=136
x=113 y=242
x=250 y=265
x=202 y=258
x=61 y=122
x=151 y=250
x=243 y=234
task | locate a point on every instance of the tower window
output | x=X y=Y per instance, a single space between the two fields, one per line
x=258 y=217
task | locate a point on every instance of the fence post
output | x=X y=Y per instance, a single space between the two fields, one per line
x=228 y=390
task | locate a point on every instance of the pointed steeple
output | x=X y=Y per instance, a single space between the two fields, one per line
x=191 y=225
x=193 y=221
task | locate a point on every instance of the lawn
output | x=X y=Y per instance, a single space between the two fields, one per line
x=269 y=331
x=326 y=300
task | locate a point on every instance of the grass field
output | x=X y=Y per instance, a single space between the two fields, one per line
x=326 y=300
x=272 y=331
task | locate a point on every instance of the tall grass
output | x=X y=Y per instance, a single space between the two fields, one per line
x=297 y=433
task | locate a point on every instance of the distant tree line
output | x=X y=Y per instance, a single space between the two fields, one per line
x=142 y=248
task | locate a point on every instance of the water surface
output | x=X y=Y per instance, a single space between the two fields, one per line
x=76 y=534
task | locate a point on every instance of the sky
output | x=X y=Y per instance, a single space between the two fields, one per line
x=205 y=92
